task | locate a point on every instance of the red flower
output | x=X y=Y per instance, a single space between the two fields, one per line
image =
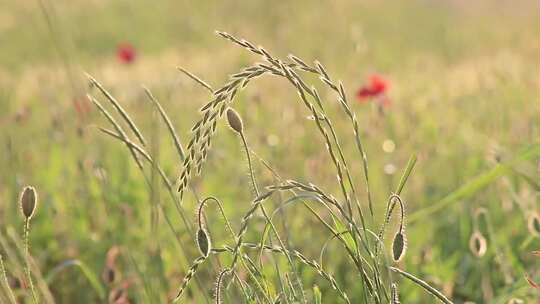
x=125 y=53
x=364 y=92
x=376 y=86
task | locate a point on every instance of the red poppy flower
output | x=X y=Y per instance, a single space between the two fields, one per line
x=375 y=89
x=376 y=86
x=125 y=53
x=364 y=93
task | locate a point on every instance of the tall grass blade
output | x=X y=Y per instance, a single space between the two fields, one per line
x=477 y=183
x=85 y=270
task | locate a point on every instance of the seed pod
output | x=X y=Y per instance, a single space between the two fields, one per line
x=203 y=242
x=234 y=120
x=533 y=223
x=108 y=275
x=478 y=244
x=28 y=201
x=399 y=246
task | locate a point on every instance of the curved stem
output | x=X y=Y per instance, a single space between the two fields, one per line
x=251 y=172
x=221 y=210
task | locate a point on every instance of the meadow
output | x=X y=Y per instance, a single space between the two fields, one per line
x=269 y=152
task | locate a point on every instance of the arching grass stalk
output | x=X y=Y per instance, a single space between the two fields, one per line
x=258 y=201
x=366 y=284
x=196 y=79
x=283 y=69
x=118 y=108
x=298 y=255
x=168 y=123
x=137 y=151
x=204 y=129
x=204 y=245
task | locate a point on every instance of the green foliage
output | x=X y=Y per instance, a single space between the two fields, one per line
x=464 y=89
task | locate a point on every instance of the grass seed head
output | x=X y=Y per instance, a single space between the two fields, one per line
x=28 y=201
x=203 y=242
x=234 y=120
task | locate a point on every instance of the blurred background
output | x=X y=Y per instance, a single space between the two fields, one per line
x=456 y=83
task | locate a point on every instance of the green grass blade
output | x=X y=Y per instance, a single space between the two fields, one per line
x=478 y=183
x=317 y=295
x=406 y=174
x=340 y=227
x=90 y=276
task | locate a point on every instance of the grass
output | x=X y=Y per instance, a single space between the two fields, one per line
x=463 y=83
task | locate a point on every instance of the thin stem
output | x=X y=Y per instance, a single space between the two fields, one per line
x=27 y=259
x=119 y=109
x=298 y=255
x=251 y=172
x=221 y=210
x=265 y=214
x=134 y=148
x=423 y=284
x=168 y=123
x=365 y=280
x=4 y=277
x=200 y=215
